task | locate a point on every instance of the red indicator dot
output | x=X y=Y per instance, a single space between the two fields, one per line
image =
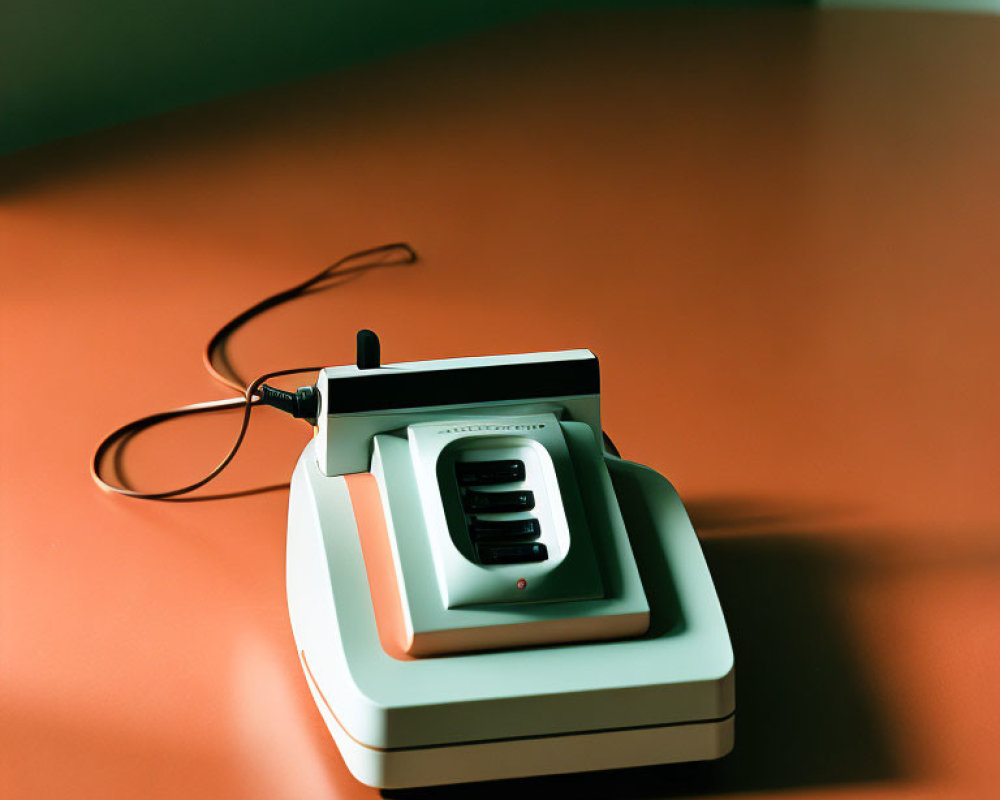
x=521 y=583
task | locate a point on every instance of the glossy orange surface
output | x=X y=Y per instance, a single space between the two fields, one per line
x=779 y=231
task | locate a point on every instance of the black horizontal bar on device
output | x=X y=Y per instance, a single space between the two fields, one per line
x=384 y=388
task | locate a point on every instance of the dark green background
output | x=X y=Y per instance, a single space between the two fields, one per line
x=70 y=67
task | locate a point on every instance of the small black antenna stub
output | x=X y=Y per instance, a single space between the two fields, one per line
x=369 y=350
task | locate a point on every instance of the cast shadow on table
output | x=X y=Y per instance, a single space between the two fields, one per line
x=806 y=716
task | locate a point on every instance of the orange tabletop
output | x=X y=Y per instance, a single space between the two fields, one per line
x=780 y=232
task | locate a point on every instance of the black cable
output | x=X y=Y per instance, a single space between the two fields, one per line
x=302 y=403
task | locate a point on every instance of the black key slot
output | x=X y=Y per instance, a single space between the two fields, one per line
x=495 y=502
x=508 y=530
x=512 y=553
x=487 y=473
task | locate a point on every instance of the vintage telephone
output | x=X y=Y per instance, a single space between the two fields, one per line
x=479 y=587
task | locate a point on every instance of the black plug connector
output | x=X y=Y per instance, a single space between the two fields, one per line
x=303 y=403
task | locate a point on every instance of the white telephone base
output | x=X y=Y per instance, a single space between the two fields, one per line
x=447 y=641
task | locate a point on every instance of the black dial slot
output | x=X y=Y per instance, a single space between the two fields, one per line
x=512 y=553
x=508 y=530
x=489 y=473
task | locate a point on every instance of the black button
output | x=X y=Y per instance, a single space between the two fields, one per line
x=485 y=473
x=489 y=502
x=512 y=553
x=508 y=530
